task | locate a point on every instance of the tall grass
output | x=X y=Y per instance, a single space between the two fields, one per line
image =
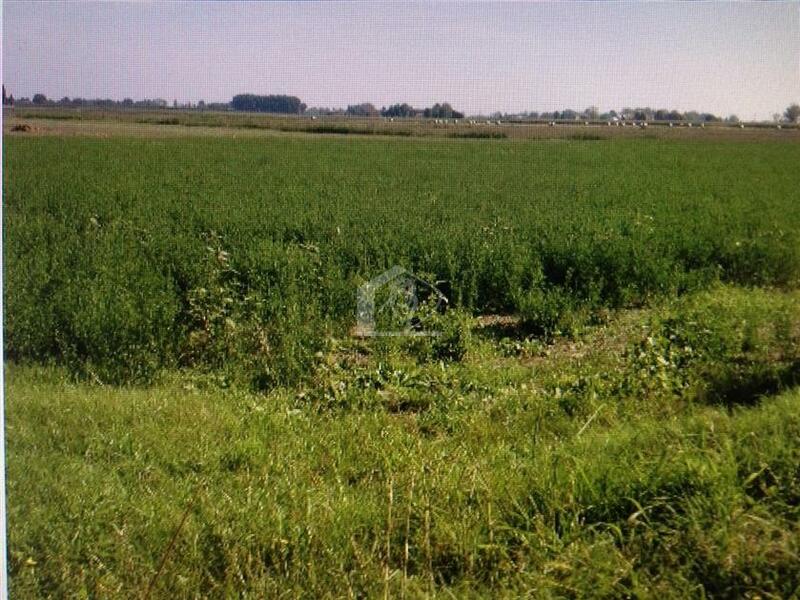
x=242 y=257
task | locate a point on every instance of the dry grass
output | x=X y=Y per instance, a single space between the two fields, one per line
x=172 y=123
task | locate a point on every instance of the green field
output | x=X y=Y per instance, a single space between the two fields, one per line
x=126 y=256
x=610 y=409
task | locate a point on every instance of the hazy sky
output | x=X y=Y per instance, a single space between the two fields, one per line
x=723 y=57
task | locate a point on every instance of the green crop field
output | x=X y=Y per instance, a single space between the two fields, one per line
x=609 y=410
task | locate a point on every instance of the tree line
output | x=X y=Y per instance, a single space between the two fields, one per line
x=284 y=104
x=107 y=103
x=437 y=111
x=271 y=104
x=791 y=115
x=626 y=114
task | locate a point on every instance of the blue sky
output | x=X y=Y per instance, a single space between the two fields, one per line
x=723 y=57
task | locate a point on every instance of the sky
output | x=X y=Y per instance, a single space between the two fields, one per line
x=720 y=57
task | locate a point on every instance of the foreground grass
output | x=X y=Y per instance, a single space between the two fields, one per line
x=624 y=461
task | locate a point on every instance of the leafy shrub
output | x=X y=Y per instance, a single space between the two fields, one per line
x=454 y=338
x=731 y=346
x=548 y=312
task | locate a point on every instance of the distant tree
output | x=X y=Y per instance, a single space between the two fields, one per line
x=692 y=115
x=446 y=111
x=569 y=115
x=127 y=102
x=793 y=113
x=365 y=109
x=8 y=100
x=201 y=104
x=434 y=112
x=39 y=99
x=65 y=101
x=732 y=119
x=399 y=110
x=272 y=104
x=591 y=113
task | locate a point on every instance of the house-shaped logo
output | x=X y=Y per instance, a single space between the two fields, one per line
x=389 y=304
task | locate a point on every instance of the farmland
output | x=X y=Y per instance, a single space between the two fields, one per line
x=610 y=408
x=171 y=123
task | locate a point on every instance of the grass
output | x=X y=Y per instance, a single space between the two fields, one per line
x=175 y=120
x=345 y=130
x=129 y=256
x=498 y=475
x=611 y=409
x=480 y=134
